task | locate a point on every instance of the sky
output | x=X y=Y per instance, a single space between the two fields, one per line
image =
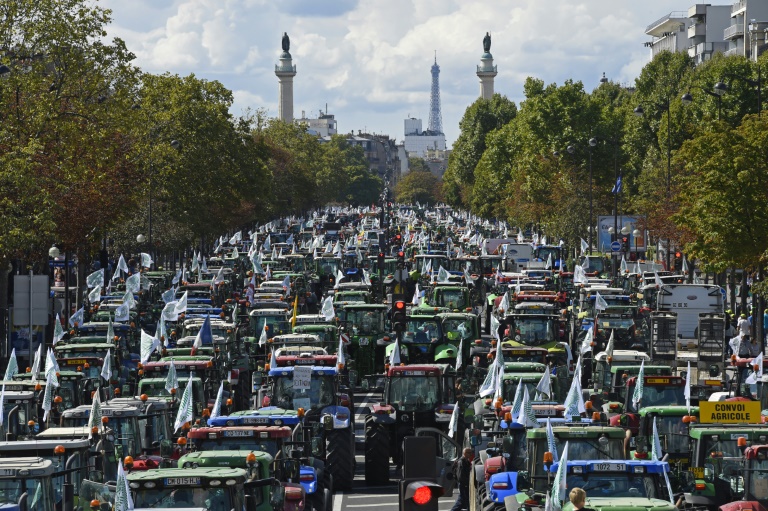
x=369 y=60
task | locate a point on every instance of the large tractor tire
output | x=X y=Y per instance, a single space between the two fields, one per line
x=376 y=452
x=340 y=460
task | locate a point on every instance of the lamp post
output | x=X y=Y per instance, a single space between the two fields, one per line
x=53 y=253
x=719 y=89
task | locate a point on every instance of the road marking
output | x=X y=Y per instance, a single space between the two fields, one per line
x=337 y=498
x=368 y=505
x=371 y=496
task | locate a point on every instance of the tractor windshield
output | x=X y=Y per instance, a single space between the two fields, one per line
x=758 y=481
x=533 y=331
x=365 y=321
x=39 y=497
x=319 y=394
x=240 y=444
x=421 y=331
x=213 y=499
x=657 y=395
x=457 y=329
x=451 y=298
x=615 y=485
x=414 y=393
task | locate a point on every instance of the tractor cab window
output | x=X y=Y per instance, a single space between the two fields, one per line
x=319 y=395
x=453 y=299
x=421 y=331
x=534 y=331
x=414 y=393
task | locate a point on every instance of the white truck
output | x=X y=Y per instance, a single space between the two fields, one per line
x=689 y=326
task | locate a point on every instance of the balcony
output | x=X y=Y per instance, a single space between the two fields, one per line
x=733 y=32
x=696 y=30
x=697 y=10
x=738 y=6
x=734 y=51
x=669 y=23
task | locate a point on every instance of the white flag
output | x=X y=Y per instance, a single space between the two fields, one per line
x=122 y=312
x=688 y=388
x=453 y=425
x=584 y=246
x=148 y=345
x=95 y=279
x=600 y=303
x=340 y=358
x=36 y=363
x=146 y=260
x=394 y=357
x=95 y=295
x=185 y=413
x=217 y=405
x=544 y=387
x=263 y=338
x=327 y=309
x=106 y=370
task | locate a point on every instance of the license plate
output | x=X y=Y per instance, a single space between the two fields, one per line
x=363 y=341
x=75 y=361
x=238 y=433
x=256 y=420
x=182 y=481
x=609 y=467
x=7 y=472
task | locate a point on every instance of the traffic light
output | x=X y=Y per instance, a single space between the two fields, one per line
x=625 y=244
x=678 y=261
x=380 y=261
x=400 y=260
x=398 y=316
x=419 y=495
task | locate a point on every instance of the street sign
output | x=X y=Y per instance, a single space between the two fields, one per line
x=345 y=338
x=615 y=246
x=720 y=412
x=38 y=303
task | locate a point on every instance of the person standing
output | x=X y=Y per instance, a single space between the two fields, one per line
x=464 y=469
x=743 y=326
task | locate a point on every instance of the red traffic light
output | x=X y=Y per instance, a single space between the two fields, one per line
x=400 y=305
x=398 y=237
x=678 y=254
x=422 y=495
x=624 y=239
x=401 y=254
x=381 y=255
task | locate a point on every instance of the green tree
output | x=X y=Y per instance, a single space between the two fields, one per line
x=723 y=190
x=480 y=118
x=64 y=153
x=418 y=186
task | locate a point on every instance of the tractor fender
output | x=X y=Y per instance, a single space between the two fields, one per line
x=498 y=494
x=383 y=414
x=340 y=414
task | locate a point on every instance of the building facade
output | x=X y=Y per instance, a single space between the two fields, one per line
x=706 y=31
x=418 y=142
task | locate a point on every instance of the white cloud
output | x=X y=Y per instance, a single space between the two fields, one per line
x=370 y=60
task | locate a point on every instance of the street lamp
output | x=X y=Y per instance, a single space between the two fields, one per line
x=719 y=89
x=54 y=252
x=140 y=238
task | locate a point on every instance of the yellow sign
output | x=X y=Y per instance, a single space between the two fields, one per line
x=698 y=472
x=651 y=381
x=76 y=361
x=714 y=383
x=737 y=412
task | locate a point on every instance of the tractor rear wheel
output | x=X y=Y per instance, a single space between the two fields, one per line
x=376 y=452
x=340 y=460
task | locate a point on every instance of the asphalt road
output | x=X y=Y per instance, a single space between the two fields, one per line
x=381 y=498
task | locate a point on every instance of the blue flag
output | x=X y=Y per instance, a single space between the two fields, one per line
x=205 y=335
x=617 y=186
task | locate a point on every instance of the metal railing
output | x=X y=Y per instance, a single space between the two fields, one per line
x=733 y=30
x=671 y=15
x=738 y=5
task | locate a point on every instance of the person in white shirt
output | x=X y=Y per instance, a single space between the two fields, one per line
x=743 y=326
